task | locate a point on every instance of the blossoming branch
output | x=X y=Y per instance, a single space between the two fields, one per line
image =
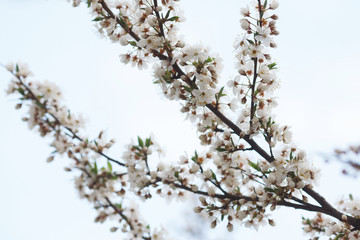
x=250 y=166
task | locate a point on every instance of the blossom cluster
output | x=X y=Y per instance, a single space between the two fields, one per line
x=99 y=182
x=323 y=225
x=237 y=180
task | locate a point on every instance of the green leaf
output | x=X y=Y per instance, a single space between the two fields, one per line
x=17 y=68
x=272 y=66
x=195 y=157
x=167 y=77
x=94 y=169
x=140 y=141
x=268 y=124
x=269 y=190
x=339 y=236
x=148 y=142
x=351 y=197
x=176 y=174
x=188 y=89
x=167 y=14
x=250 y=41
x=254 y=165
x=209 y=60
x=69 y=114
x=213 y=174
x=220 y=149
x=265 y=4
x=123 y=23
x=40 y=105
x=132 y=43
x=97 y=19
x=109 y=166
x=221 y=94
x=21 y=91
x=137 y=148
x=173 y=18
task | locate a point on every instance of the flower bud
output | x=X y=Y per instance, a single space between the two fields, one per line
x=194 y=168
x=273 y=45
x=275 y=32
x=274 y=5
x=208 y=174
x=50 y=159
x=243 y=100
x=272 y=24
x=10 y=67
x=230 y=227
x=245 y=24
x=213 y=224
x=242 y=72
x=273 y=207
x=194 y=188
x=274 y=17
x=198 y=209
x=148 y=10
x=211 y=192
x=271 y=222
x=203 y=201
x=245 y=12
x=180 y=44
x=123 y=41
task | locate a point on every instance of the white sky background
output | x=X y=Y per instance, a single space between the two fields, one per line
x=319 y=71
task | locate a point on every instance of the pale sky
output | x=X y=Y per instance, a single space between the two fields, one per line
x=318 y=51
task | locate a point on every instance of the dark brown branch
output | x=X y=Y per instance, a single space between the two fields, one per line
x=122 y=215
x=159 y=19
x=97 y=151
x=311 y=208
x=238 y=132
x=218 y=196
x=252 y=106
x=325 y=206
x=120 y=212
x=330 y=210
x=260 y=12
